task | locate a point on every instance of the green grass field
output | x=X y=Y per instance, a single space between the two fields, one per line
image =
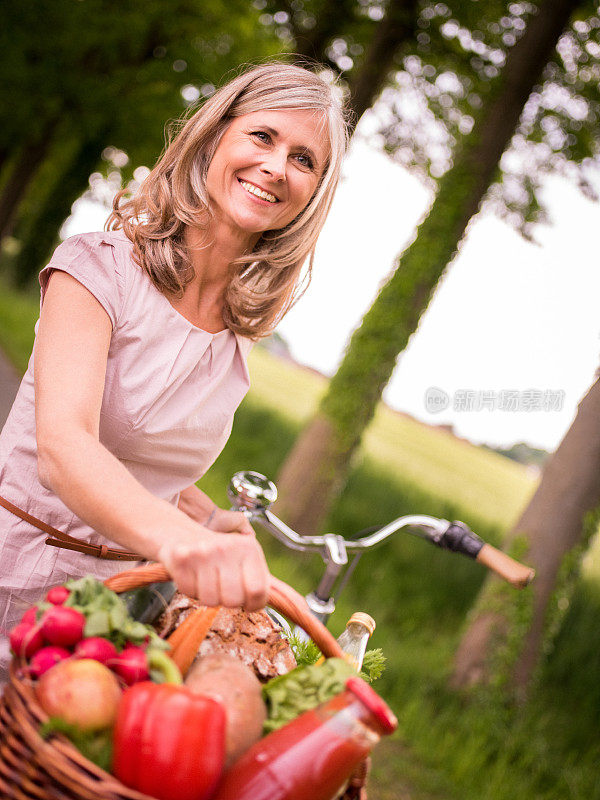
x=449 y=746
x=18 y=314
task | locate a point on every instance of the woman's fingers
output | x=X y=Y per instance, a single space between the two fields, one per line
x=244 y=526
x=231 y=522
x=208 y=587
x=231 y=587
x=255 y=578
x=176 y=559
x=245 y=577
x=219 y=569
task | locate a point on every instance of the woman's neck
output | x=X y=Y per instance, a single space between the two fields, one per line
x=211 y=254
x=213 y=249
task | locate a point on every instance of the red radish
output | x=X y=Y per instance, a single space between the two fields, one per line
x=30 y=616
x=97 y=648
x=58 y=595
x=63 y=626
x=25 y=639
x=131 y=665
x=45 y=658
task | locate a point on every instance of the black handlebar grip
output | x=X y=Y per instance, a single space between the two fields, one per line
x=460 y=539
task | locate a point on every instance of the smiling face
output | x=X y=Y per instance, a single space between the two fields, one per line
x=265 y=170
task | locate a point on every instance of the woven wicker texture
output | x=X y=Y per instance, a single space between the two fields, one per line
x=34 y=769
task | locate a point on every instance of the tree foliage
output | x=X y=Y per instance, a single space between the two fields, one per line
x=102 y=60
x=444 y=84
x=105 y=74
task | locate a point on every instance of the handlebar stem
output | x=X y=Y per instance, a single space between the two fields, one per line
x=336 y=549
x=335 y=559
x=322 y=609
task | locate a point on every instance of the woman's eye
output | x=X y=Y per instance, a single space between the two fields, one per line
x=305 y=160
x=263 y=136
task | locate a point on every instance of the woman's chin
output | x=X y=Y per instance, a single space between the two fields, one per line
x=254 y=227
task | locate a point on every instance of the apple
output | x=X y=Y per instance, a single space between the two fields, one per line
x=82 y=692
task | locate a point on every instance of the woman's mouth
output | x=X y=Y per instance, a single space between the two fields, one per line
x=258 y=192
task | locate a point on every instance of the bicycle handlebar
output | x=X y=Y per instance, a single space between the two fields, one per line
x=252 y=493
x=430 y=527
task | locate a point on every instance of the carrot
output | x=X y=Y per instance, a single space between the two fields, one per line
x=187 y=638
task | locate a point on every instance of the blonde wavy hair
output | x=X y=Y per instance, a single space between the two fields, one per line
x=266 y=282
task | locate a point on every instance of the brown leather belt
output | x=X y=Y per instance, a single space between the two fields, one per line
x=59 y=539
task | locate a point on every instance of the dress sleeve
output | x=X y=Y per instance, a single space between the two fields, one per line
x=91 y=260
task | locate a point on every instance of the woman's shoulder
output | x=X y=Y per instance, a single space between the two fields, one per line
x=97 y=244
x=101 y=261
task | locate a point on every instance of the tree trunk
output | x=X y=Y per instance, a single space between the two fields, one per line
x=397 y=27
x=552 y=526
x=356 y=388
x=40 y=233
x=366 y=81
x=26 y=165
x=319 y=454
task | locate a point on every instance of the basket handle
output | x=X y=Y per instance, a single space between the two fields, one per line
x=280 y=596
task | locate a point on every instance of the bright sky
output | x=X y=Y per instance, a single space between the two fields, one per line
x=512 y=336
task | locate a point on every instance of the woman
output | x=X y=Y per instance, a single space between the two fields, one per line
x=140 y=354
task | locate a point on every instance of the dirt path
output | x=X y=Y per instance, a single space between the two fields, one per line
x=9 y=383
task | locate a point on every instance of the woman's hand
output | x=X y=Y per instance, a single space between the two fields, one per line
x=218 y=569
x=198 y=505
x=229 y=522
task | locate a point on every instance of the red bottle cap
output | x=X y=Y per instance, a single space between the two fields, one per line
x=376 y=705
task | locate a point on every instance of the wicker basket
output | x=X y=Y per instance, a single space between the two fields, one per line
x=34 y=769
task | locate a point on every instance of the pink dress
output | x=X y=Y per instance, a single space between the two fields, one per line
x=170 y=394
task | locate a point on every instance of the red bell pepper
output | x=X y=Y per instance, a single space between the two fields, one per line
x=169 y=742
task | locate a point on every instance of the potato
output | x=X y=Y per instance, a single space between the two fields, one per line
x=236 y=686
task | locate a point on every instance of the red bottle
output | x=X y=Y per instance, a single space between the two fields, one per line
x=312 y=757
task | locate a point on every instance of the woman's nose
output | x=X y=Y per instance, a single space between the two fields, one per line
x=274 y=165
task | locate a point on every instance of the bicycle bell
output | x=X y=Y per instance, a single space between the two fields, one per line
x=251 y=491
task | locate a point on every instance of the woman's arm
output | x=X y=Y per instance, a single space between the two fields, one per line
x=198 y=505
x=70 y=365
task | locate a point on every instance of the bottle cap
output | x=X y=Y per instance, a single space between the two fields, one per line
x=376 y=705
x=363 y=619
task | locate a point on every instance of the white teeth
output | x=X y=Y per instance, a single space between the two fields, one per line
x=249 y=187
